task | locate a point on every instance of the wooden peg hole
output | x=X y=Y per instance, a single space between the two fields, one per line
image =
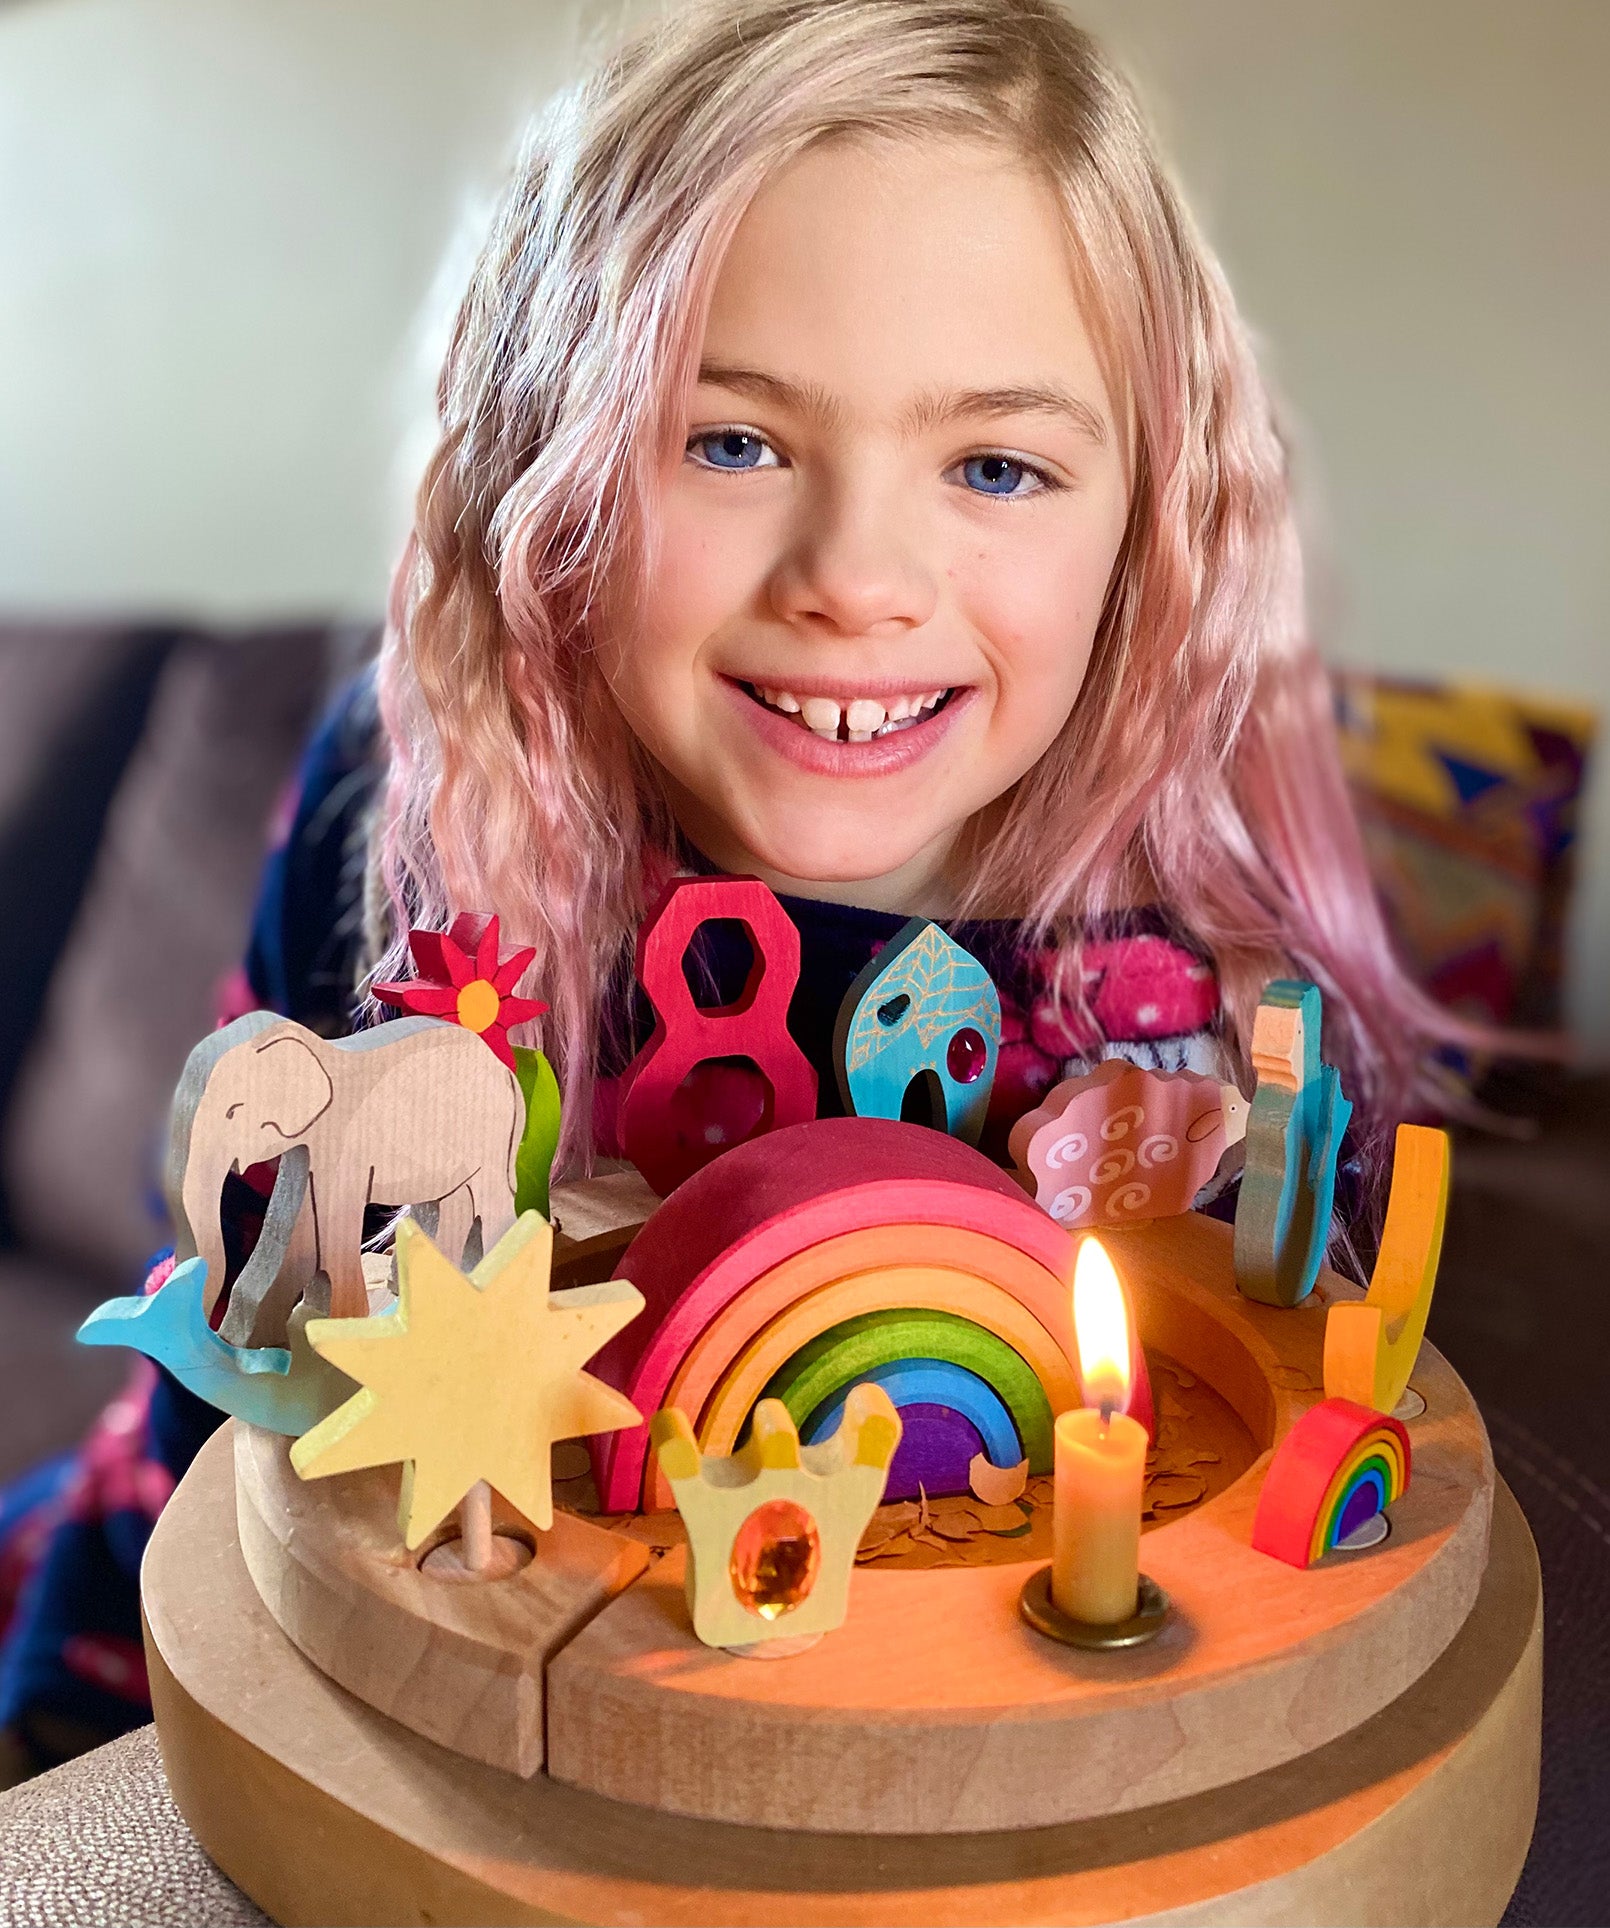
x=511 y=1551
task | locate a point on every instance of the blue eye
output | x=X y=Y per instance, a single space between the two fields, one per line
x=732 y=448
x=999 y=475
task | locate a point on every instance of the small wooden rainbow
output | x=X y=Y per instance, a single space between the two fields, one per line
x=1339 y=1466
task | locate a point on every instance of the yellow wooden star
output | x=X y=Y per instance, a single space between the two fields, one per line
x=470 y=1378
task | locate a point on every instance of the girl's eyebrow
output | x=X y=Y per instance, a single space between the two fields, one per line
x=934 y=409
x=804 y=398
x=930 y=410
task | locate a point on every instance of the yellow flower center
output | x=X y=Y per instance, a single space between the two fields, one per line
x=478 y=1005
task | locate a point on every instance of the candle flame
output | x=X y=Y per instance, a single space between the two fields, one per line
x=1101 y=1328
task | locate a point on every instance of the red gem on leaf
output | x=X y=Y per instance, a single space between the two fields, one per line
x=461 y=979
x=966 y=1055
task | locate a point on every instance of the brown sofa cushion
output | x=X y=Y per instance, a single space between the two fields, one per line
x=164 y=917
x=48 y=672
x=73 y=704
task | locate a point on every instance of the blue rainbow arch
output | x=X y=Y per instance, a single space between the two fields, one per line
x=933 y=1382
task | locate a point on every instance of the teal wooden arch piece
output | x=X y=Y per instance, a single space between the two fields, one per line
x=923 y=1008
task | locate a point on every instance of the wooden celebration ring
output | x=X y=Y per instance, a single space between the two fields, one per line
x=934 y=1710
x=459 y=1661
x=325 y=1811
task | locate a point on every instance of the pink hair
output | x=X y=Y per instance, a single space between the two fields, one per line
x=1199 y=768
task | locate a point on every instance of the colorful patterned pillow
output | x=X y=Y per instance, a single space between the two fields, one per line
x=1468 y=797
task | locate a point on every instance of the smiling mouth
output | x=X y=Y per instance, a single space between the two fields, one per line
x=859 y=719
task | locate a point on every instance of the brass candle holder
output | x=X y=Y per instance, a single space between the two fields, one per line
x=1040 y=1610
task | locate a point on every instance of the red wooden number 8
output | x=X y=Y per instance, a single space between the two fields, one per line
x=754 y=1027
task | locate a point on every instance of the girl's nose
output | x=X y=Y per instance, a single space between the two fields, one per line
x=852 y=568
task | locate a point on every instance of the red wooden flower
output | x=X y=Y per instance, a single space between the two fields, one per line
x=461 y=979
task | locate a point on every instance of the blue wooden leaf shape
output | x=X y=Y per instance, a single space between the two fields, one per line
x=1282 y=1219
x=923 y=1008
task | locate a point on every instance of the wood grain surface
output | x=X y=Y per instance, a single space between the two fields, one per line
x=460 y=1662
x=595 y=1219
x=325 y=1811
x=934 y=1709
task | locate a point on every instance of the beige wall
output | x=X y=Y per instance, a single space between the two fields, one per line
x=221 y=222
x=1412 y=198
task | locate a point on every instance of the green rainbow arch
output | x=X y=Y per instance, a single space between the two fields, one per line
x=844 y=1353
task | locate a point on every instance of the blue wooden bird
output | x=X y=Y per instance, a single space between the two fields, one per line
x=1294 y=1135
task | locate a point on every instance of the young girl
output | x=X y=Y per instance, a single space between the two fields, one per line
x=853 y=473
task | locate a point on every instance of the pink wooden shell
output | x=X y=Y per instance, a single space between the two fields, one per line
x=1121 y=1144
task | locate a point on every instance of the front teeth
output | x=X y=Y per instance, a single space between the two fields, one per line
x=821 y=715
x=862 y=718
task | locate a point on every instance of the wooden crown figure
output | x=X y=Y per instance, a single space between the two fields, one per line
x=772 y=1531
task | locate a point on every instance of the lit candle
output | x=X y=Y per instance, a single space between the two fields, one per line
x=1101 y=1459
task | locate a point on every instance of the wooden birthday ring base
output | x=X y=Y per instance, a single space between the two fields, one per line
x=934 y=1709
x=325 y=1811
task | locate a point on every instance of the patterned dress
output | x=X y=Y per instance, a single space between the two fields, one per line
x=72 y=1531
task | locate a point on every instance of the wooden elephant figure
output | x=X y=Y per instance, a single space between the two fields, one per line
x=412 y=1113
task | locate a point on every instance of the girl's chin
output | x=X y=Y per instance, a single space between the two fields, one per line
x=805 y=862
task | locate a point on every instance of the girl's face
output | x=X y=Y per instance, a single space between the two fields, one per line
x=885 y=550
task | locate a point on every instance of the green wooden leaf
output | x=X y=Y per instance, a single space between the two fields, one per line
x=533 y=1164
